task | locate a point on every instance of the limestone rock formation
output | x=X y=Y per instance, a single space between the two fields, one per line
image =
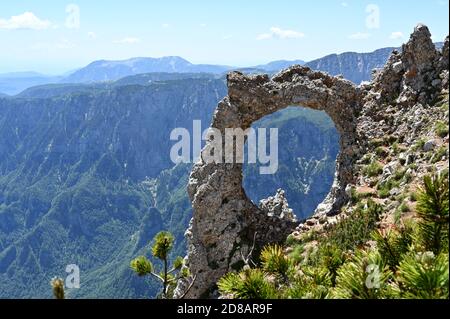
x=277 y=206
x=225 y=221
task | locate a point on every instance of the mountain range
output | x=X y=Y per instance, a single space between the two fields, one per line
x=354 y=66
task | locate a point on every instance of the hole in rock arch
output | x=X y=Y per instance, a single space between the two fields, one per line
x=308 y=144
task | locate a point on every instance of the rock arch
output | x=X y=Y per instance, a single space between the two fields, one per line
x=225 y=221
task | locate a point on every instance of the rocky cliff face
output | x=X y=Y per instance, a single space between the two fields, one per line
x=356 y=67
x=353 y=66
x=390 y=108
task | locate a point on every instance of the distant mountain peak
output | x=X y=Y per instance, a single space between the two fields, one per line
x=279 y=65
x=105 y=70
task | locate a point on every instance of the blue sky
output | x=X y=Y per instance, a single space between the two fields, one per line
x=46 y=36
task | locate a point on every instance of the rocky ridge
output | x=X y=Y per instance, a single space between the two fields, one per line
x=402 y=110
x=383 y=152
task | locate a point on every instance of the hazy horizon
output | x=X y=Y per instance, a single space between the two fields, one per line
x=55 y=39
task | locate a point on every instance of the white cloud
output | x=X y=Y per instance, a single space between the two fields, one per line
x=359 y=36
x=279 y=33
x=92 y=35
x=344 y=4
x=227 y=37
x=165 y=25
x=396 y=35
x=203 y=25
x=128 y=40
x=26 y=20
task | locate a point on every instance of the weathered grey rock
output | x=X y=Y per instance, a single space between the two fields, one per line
x=436 y=82
x=444 y=64
x=403 y=157
x=389 y=169
x=349 y=189
x=412 y=76
x=445 y=51
x=410 y=158
x=429 y=145
x=395 y=191
x=418 y=57
x=397 y=67
x=277 y=206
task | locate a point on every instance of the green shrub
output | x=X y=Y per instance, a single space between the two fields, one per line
x=364 y=277
x=291 y=240
x=404 y=208
x=432 y=208
x=381 y=151
x=163 y=244
x=330 y=257
x=366 y=159
x=398 y=175
x=356 y=229
x=373 y=169
x=384 y=141
x=273 y=260
x=385 y=188
x=248 y=284
x=354 y=196
x=419 y=145
x=306 y=288
x=390 y=139
x=398 y=148
x=383 y=192
x=441 y=129
x=376 y=142
x=439 y=154
x=400 y=210
x=142 y=266
x=408 y=177
x=297 y=253
x=393 y=244
x=423 y=276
